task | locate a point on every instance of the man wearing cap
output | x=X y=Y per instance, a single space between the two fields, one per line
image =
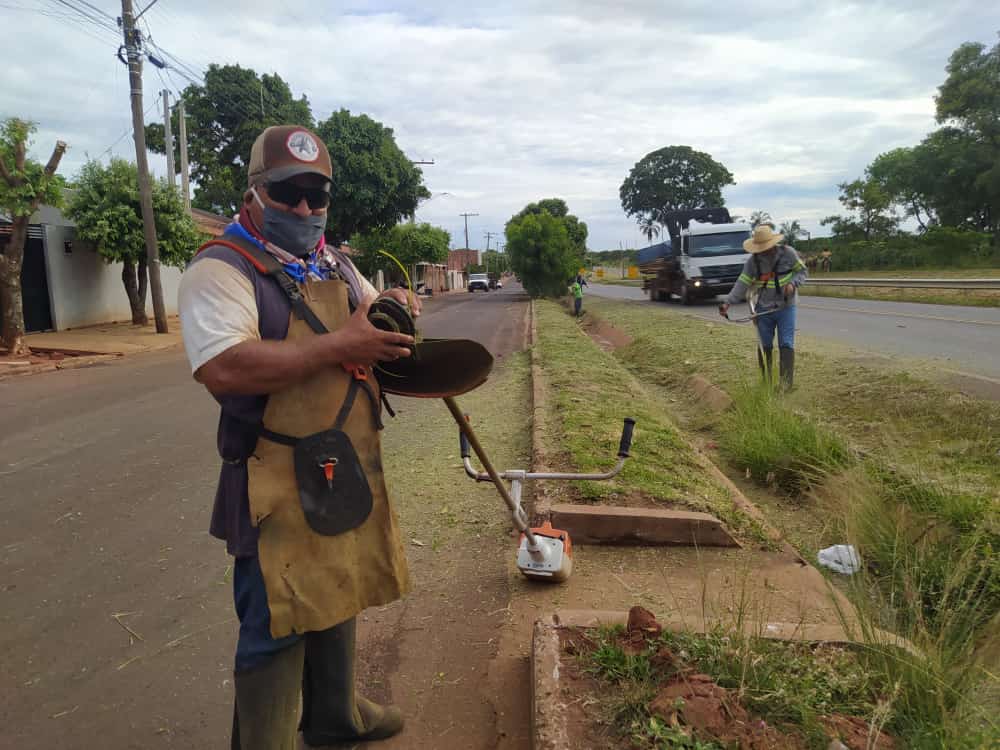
x=774 y=271
x=275 y=326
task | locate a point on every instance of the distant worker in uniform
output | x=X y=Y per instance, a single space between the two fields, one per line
x=577 y=290
x=825 y=259
x=774 y=272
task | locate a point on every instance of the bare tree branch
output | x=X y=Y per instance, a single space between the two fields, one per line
x=57 y=153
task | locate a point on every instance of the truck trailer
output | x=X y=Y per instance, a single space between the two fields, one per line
x=702 y=257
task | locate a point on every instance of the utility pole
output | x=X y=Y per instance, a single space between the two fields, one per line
x=183 y=135
x=488 y=235
x=132 y=44
x=466 y=217
x=168 y=139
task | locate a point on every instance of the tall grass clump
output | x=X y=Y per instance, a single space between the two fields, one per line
x=934 y=580
x=762 y=434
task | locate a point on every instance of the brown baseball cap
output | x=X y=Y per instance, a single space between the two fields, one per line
x=283 y=151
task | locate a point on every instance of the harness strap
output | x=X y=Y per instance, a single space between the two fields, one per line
x=268 y=265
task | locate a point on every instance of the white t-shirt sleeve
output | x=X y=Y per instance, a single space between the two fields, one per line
x=218 y=310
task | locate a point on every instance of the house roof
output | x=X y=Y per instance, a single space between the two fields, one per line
x=208 y=222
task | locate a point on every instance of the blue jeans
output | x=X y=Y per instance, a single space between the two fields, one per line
x=255 y=644
x=784 y=321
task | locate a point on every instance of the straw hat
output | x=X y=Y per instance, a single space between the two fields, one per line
x=764 y=238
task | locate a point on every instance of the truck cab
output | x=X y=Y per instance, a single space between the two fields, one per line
x=711 y=259
x=703 y=256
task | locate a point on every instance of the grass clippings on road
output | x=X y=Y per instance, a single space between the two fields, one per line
x=590 y=393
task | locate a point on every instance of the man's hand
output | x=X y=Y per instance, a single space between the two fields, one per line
x=402 y=296
x=789 y=290
x=360 y=343
x=724 y=309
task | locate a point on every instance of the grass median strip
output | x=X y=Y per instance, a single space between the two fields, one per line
x=590 y=392
x=903 y=469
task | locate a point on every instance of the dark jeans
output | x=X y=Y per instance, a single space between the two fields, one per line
x=577 y=305
x=255 y=645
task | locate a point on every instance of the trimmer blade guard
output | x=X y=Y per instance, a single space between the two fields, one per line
x=554 y=562
x=438 y=368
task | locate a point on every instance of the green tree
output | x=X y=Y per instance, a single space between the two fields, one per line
x=576 y=229
x=408 y=243
x=791 y=230
x=969 y=99
x=670 y=179
x=871 y=204
x=906 y=177
x=541 y=253
x=225 y=116
x=760 y=217
x=105 y=207
x=24 y=185
x=374 y=183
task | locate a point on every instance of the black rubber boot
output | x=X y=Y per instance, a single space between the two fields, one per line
x=267 y=702
x=331 y=710
x=786 y=367
x=764 y=362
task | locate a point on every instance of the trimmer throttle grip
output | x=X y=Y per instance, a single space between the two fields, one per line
x=463 y=442
x=626 y=442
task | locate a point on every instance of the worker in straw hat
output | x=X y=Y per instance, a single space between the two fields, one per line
x=774 y=272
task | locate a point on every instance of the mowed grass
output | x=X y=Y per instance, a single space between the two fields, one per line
x=589 y=394
x=910 y=423
x=909 y=474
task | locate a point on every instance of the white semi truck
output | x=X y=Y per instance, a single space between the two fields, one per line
x=703 y=256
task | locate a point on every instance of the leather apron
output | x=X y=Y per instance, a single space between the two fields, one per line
x=315 y=581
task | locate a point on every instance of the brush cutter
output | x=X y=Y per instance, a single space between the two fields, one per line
x=544 y=553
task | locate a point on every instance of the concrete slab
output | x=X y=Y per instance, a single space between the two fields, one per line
x=604 y=524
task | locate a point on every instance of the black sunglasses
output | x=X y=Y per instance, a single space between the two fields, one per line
x=291 y=194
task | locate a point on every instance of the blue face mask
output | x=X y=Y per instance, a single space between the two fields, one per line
x=297 y=235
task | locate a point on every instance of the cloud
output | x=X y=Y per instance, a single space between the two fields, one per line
x=539 y=99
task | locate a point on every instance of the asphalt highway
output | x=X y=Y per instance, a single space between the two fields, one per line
x=965 y=340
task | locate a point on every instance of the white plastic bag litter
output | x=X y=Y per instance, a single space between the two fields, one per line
x=840 y=558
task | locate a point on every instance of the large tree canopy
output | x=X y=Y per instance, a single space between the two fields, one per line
x=24 y=185
x=374 y=183
x=576 y=229
x=107 y=212
x=541 y=252
x=225 y=116
x=670 y=179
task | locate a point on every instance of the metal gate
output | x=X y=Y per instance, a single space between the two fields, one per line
x=34 y=279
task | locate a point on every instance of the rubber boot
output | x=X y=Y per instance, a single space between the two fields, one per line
x=267 y=702
x=786 y=367
x=331 y=710
x=764 y=362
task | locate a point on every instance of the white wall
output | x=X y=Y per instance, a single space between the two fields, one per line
x=83 y=289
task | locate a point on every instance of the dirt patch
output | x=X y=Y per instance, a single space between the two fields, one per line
x=673 y=697
x=709 y=711
x=604 y=334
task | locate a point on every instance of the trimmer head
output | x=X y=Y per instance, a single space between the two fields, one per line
x=550 y=559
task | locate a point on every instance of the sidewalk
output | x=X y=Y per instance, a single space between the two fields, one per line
x=82 y=347
x=109 y=338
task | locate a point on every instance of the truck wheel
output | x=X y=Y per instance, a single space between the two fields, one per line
x=686 y=297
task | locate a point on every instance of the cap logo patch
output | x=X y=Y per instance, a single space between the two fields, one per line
x=303 y=146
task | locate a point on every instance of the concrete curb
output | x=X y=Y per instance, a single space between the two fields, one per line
x=604 y=524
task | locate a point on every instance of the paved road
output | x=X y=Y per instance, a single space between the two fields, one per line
x=965 y=339
x=106 y=480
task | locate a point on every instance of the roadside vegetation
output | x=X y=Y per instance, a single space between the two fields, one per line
x=589 y=394
x=866 y=454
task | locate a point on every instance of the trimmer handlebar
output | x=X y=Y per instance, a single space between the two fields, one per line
x=626 y=441
x=463 y=443
x=624 y=446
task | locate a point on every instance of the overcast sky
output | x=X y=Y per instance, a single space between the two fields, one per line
x=536 y=99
